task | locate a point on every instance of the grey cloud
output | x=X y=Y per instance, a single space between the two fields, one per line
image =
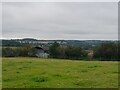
x=60 y=20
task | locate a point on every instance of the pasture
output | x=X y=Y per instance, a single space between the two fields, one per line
x=57 y=73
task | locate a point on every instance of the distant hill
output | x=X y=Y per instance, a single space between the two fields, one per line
x=86 y=44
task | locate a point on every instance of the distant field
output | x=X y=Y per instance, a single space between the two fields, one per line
x=57 y=73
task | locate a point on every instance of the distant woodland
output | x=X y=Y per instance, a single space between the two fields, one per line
x=65 y=49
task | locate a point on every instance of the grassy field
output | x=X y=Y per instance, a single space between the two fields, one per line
x=0 y=73
x=58 y=73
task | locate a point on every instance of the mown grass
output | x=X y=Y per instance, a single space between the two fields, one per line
x=58 y=73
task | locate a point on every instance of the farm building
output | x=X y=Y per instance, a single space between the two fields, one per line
x=41 y=52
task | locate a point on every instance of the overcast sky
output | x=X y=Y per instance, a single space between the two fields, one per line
x=61 y=20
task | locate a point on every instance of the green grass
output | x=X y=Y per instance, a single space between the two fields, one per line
x=0 y=73
x=58 y=73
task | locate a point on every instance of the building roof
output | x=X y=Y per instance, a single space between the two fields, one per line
x=42 y=48
x=39 y=48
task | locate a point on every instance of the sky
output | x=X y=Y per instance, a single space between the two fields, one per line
x=60 y=20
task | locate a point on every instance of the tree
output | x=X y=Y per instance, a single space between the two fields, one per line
x=107 y=51
x=53 y=50
x=75 y=53
x=7 y=52
x=16 y=51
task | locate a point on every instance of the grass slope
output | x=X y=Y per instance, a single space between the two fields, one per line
x=0 y=73
x=57 y=73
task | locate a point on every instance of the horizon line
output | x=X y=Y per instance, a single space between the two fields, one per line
x=58 y=39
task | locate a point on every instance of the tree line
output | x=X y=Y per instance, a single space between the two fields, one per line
x=25 y=51
x=105 y=51
x=67 y=52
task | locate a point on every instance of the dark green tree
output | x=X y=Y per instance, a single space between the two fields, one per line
x=75 y=53
x=53 y=50
x=107 y=51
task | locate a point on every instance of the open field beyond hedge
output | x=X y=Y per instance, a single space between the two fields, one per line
x=57 y=73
